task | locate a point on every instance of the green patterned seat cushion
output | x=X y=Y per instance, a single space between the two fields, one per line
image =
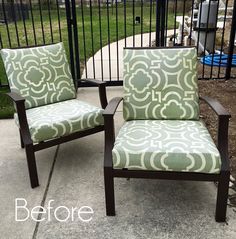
x=160 y=84
x=60 y=119
x=166 y=145
x=40 y=74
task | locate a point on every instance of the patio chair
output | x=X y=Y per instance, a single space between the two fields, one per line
x=44 y=94
x=162 y=136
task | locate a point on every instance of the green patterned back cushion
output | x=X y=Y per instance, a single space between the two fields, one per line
x=160 y=84
x=39 y=74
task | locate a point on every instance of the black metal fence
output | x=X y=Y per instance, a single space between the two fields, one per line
x=95 y=31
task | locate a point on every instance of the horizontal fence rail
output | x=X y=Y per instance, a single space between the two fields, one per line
x=96 y=31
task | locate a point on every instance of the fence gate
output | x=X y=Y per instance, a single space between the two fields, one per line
x=96 y=31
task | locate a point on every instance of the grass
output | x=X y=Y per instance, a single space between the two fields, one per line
x=6 y=105
x=86 y=47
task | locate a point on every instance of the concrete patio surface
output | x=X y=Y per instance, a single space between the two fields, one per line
x=72 y=176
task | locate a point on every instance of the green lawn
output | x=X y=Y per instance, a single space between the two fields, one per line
x=5 y=108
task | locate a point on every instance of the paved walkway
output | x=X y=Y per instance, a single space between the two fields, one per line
x=115 y=72
x=154 y=209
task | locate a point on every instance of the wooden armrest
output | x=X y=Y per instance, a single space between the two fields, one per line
x=16 y=97
x=93 y=82
x=20 y=108
x=222 y=134
x=216 y=106
x=112 y=106
x=102 y=89
x=108 y=114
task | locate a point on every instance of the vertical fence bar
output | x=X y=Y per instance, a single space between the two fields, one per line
x=70 y=38
x=108 y=35
x=182 y=30
x=1 y=45
x=214 y=40
x=133 y=23
x=23 y=20
x=91 y=28
x=222 y=38
x=41 y=20
x=125 y=30
x=76 y=41
x=191 y=24
x=231 y=43
x=14 y=19
x=162 y=10
x=84 y=38
x=59 y=20
x=158 y=12
x=166 y=21
x=50 y=20
x=100 y=34
x=6 y=22
x=200 y=16
x=206 y=34
x=32 y=21
x=141 y=23
x=150 y=25
x=117 y=44
x=175 y=25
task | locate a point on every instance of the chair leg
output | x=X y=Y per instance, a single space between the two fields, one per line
x=21 y=140
x=109 y=192
x=222 y=197
x=32 y=166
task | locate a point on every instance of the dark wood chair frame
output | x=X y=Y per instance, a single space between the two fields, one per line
x=222 y=178
x=25 y=138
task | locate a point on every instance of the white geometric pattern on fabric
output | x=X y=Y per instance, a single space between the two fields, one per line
x=166 y=145
x=160 y=84
x=39 y=74
x=60 y=119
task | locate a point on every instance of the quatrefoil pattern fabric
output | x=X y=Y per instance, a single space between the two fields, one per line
x=40 y=74
x=166 y=145
x=160 y=84
x=60 y=119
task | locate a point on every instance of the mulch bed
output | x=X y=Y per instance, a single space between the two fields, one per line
x=225 y=93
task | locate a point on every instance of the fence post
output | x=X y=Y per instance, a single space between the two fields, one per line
x=70 y=38
x=231 y=43
x=163 y=21
x=76 y=40
x=158 y=18
x=160 y=22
